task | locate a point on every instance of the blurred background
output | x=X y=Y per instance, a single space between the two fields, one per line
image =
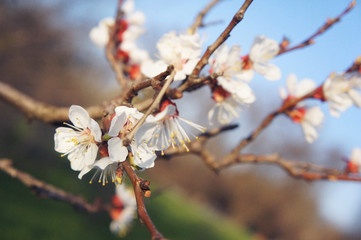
x=45 y=52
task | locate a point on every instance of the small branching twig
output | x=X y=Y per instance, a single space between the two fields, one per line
x=223 y=37
x=328 y=24
x=45 y=190
x=199 y=19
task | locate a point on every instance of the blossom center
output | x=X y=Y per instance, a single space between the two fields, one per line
x=246 y=63
x=297 y=115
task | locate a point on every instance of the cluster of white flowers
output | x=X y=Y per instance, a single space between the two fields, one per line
x=123 y=210
x=126 y=31
x=231 y=90
x=81 y=141
x=182 y=51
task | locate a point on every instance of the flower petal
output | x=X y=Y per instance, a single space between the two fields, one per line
x=79 y=116
x=269 y=71
x=103 y=163
x=117 y=152
x=263 y=49
x=91 y=154
x=62 y=138
x=117 y=124
x=355 y=96
x=95 y=130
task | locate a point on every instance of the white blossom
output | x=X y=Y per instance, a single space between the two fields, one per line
x=341 y=91
x=78 y=141
x=354 y=163
x=123 y=210
x=262 y=50
x=165 y=129
x=100 y=34
x=182 y=51
x=310 y=119
x=229 y=104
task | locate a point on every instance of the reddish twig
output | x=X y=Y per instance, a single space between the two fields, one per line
x=328 y=24
x=142 y=211
x=45 y=190
x=199 y=19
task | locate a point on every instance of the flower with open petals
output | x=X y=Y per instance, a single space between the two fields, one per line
x=182 y=51
x=123 y=210
x=228 y=105
x=262 y=50
x=79 y=141
x=228 y=64
x=310 y=119
x=164 y=129
x=341 y=91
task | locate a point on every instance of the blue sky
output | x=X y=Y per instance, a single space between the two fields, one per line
x=333 y=51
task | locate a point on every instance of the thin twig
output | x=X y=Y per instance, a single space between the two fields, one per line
x=199 y=19
x=224 y=35
x=328 y=24
x=155 y=105
x=142 y=211
x=45 y=190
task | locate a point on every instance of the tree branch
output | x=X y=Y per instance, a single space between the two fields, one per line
x=142 y=211
x=38 y=110
x=45 y=190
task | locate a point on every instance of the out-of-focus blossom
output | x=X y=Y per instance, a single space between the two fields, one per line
x=310 y=119
x=354 y=163
x=295 y=89
x=262 y=50
x=182 y=51
x=165 y=129
x=123 y=210
x=228 y=105
x=79 y=141
x=100 y=34
x=341 y=91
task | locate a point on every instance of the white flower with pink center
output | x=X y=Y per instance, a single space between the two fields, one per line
x=123 y=210
x=310 y=119
x=182 y=51
x=341 y=91
x=262 y=50
x=165 y=129
x=229 y=105
x=80 y=140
